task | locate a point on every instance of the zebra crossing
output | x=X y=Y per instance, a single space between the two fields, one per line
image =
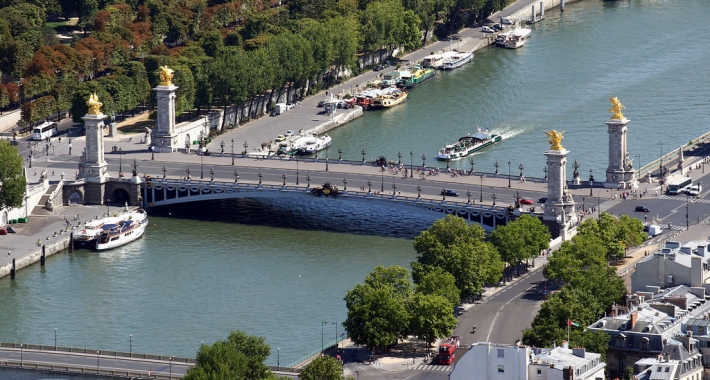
x=433 y=367
x=682 y=199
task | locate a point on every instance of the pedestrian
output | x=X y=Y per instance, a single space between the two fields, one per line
x=8 y=253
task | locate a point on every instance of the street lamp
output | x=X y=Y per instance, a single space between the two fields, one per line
x=97 y=361
x=284 y=178
x=660 y=166
x=494 y=198
x=508 y=173
x=472 y=162
x=308 y=179
x=411 y=164
x=363 y=155
x=481 y=189
x=521 y=167
x=423 y=161
x=443 y=194
x=468 y=194
x=20 y=355
x=326 y=158
x=345 y=183
x=369 y=186
x=55 y=339
x=591 y=182
x=278 y=358
x=171 y=368
x=340 y=154
x=382 y=175
x=245 y=145
x=419 y=192
x=296 y=170
x=544 y=170
x=120 y=163
x=260 y=175
x=211 y=174
x=221 y=147
x=394 y=191
x=399 y=158
x=232 y=146
x=202 y=174
x=639 y=157
x=448 y=160
x=496 y=165
x=164 y=171
x=236 y=177
x=322 y=343
x=130 y=345
x=189 y=177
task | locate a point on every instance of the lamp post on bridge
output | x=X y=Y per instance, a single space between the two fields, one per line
x=130 y=345
x=363 y=152
x=245 y=145
x=221 y=147
x=481 y=189
x=211 y=174
x=472 y=162
x=232 y=146
x=411 y=164
x=284 y=178
x=308 y=178
x=326 y=158
x=340 y=154
x=419 y=192
x=345 y=183
x=171 y=368
x=394 y=189
x=423 y=161
x=496 y=165
x=189 y=177
x=296 y=171
x=55 y=339
x=508 y=173
x=202 y=173
x=164 y=171
x=443 y=194
x=494 y=199
x=399 y=158
x=236 y=177
x=97 y=361
x=521 y=167
x=660 y=166
x=369 y=186
x=382 y=175
x=278 y=358
x=468 y=194
x=591 y=183
x=260 y=176
x=20 y=356
x=545 y=171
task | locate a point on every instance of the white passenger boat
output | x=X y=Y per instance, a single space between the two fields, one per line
x=92 y=229
x=435 y=61
x=128 y=229
x=517 y=38
x=457 y=60
x=467 y=145
x=311 y=144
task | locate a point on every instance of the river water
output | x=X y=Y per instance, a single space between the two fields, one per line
x=279 y=269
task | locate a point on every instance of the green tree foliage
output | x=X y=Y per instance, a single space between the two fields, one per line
x=395 y=276
x=431 y=317
x=458 y=248
x=241 y=356
x=521 y=239
x=323 y=368
x=617 y=234
x=439 y=282
x=377 y=316
x=12 y=179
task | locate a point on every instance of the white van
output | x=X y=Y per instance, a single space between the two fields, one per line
x=654 y=230
x=506 y=21
x=694 y=190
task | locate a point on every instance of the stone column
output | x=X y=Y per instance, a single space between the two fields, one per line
x=164 y=138
x=560 y=212
x=92 y=167
x=621 y=168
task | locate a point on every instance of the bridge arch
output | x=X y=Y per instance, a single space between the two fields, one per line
x=168 y=192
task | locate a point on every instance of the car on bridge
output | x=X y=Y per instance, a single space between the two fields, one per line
x=641 y=208
x=450 y=193
x=542 y=200
x=526 y=201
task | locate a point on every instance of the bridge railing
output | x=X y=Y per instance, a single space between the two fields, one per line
x=314 y=353
x=43 y=347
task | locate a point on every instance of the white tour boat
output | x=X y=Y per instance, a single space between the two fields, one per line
x=517 y=38
x=128 y=229
x=311 y=144
x=92 y=229
x=467 y=145
x=457 y=60
x=435 y=61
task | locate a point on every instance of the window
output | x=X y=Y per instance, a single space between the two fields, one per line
x=668 y=369
x=501 y=368
x=501 y=353
x=658 y=369
x=539 y=372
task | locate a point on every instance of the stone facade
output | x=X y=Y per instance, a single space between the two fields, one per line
x=164 y=138
x=92 y=166
x=560 y=212
x=621 y=168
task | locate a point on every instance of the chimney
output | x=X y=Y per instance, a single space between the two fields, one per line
x=568 y=373
x=579 y=352
x=701 y=250
x=634 y=318
x=565 y=344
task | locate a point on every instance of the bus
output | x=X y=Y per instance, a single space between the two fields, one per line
x=678 y=186
x=44 y=130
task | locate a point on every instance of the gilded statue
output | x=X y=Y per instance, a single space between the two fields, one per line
x=616 y=108
x=555 y=139
x=94 y=104
x=166 y=76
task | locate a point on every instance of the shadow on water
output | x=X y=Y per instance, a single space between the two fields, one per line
x=343 y=217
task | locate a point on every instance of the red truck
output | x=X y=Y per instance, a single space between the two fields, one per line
x=446 y=353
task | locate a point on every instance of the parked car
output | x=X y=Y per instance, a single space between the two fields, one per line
x=641 y=208
x=14 y=142
x=542 y=200
x=498 y=27
x=380 y=67
x=526 y=201
x=450 y=193
x=280 y=138
x=290 y=132
x=487 y=29
x=321 y=103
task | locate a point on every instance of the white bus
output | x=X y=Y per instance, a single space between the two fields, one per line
x=44 y=130
x=678 y=186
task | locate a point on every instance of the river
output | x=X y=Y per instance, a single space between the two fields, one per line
x=279 y=269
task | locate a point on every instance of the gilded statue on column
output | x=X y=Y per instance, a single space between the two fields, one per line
x=616 y=108
x=166 y=76
x=555 y=139
x=94 y=104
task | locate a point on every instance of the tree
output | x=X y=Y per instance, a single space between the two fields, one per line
x=431 y=317
x=377 y=316
x=395 y=276
x=439 y=282
x=323 y=368
x=521 y=239
x=13 y=183
x=241 y=356
x=458 y=248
